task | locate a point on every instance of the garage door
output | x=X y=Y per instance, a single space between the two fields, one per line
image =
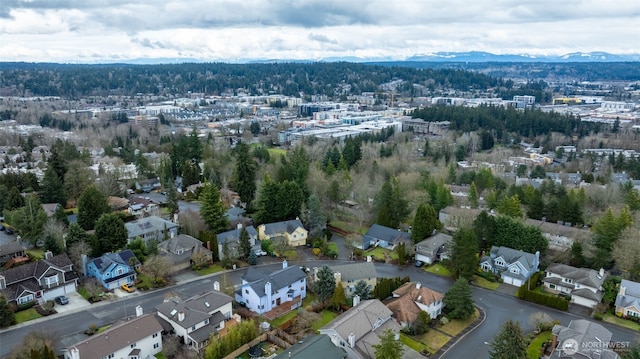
x=517 y=282
x=507 y=280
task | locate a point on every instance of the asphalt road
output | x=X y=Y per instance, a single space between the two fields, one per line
x=498 y=307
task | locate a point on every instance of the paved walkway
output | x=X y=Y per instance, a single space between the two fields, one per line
x=455 y=339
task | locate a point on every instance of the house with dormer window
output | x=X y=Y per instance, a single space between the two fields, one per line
x=196 y=318
x=584 y=285
x=114 y=269
x=263 y=291
x=39 y=281
x=628 y=299
x=513 y=266
x=293 y=232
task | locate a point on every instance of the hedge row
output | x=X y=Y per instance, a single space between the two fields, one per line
x=542 y=298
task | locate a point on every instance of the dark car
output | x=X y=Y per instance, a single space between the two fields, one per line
x=2 y=228
x=62 y=300
x=9 y=231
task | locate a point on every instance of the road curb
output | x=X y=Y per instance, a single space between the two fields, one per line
x=459 y=337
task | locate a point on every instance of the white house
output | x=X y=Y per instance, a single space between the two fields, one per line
x=433 y=248
x=514 y=266
x=261 y=292
x=196 y=318
x=137 y=338
x=584 y=285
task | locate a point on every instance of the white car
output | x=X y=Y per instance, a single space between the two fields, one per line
x=260 y=253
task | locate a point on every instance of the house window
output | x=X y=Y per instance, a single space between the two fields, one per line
x=25 y=299
x=193 y=328
x=500 y=263
x=155 y=335
x=552 y=286
x=52 y=280
x=632 y=313
x=568 y=280
x=206 y=321
x=156 y=345
x=514 y=270
x=246 y=291
x=119 y=271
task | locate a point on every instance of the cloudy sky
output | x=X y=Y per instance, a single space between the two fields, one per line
x=232 y=30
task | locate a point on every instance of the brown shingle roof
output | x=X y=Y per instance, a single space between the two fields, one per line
x=422 y=295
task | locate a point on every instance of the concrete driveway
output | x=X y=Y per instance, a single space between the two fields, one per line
x=76 y=302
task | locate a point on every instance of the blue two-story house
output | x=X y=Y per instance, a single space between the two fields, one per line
x=114 y=269
x=513 y=266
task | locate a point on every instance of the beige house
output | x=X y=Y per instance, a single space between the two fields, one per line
x=628 y=299
x=291 y=231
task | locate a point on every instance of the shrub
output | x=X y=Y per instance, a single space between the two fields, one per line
x=598 y=316
x=25 y=306
x=542 y=298
x=93 y=329
x=444 y=320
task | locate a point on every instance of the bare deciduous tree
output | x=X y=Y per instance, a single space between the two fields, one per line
x=76 y=253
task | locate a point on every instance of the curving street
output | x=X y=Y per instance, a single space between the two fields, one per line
x=498 y=307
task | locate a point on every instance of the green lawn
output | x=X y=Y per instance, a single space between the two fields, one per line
x=432 y=339
x=26 y=315
x=333 y=246
x=455 y=326
x=379 y=254
x=327 y=316
x=438 y=269
x=275 y=153
x=533 y=351
x=349 y=226
x=481 y=282
x=160 y=356
x=210 y=269
x=35 y=254
x=279 y=321
x=413 y=344
x=306 y=302
x=611 y=318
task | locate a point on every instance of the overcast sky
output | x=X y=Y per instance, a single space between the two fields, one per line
x=231 y=30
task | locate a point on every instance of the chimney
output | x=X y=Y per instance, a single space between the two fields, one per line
x=268 y=292
x=356 y=300
x=352 y=340
x=418 y=285
x=239 y=226
x=601 y=273
x=284 y=264
x=84 y=264
x=623 y=290
x=138 y=311
x=216 y=286
x=48 y=255
x=74 y=353
x=369 y=259
x=338 y=277
x=181 y=315
x=3 y=282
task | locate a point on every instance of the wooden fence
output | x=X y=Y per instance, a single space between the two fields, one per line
x=275 y=336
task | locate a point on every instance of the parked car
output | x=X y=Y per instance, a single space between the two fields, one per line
x=62 y=300
x=419 y=263
x=128 y=288
x=8 y=231
x=260 y=252
x=2 y=228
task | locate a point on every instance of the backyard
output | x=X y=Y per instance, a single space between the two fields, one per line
x=434 y=339
x=380 y=254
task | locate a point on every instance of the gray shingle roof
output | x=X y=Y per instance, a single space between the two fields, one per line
x=584 y=276
x=360 y=319
x=631 y=298
x=195 y=308
x=431 y=245
x=278 y=279
x=387 y=234
x=147 y=224
x=511 y=256
x=119 y=336
x=584 y=331
x=233 y=235
x=355 y=271
x=282 y=227
x=11 y=248
x=23 y=278
x=313 y=347
x=182 y=241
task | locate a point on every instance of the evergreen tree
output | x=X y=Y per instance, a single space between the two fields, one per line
x=510 y=206
x=339 y=299
x=172 y=199
x=51 y=190
x=424 y=223
x=91 y=205
x=473 y=195
x=75 y=234
x=402 y=253
x=577 y=257
x=111 y=234
x=325 y=284
x=463 y=262
x=245 y=243
x=389 y=347
x=458 y=301
x=391 y=207
x=362 y=289
x=7 y=318
x=14 y=199
x=314 y=217
x=244 y=174
x=29 y=219
x=509 y=343
x=212 y=210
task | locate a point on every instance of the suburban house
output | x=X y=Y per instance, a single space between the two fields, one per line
x=181 y=249
x=313 y=347
x=113 y=269
x=118 y=203
x=350 y=274
x=453 y=217
x=513 y=266
x=39 y=281
x=151 y=228
x=412 y=298
x=196 y=318
x=628 y=299
x=232 y=239
x=10 y=251
x=291 y=231
x=582 y=339
x=433 y=248
x=262 y=292
x=584 y=285
x=136 y=338
x=357 y=330
x=384 y=237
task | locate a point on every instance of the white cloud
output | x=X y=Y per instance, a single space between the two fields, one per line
x=59 y=30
